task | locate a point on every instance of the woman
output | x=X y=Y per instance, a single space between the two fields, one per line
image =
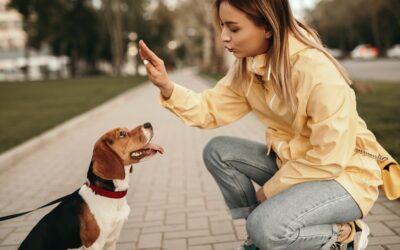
x=317 y=181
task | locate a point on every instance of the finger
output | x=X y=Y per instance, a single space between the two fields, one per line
x=145 y=59
x=141 y=54
x=150 y=68
x=148 y=54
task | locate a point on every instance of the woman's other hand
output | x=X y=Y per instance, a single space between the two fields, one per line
x=260 y=195
x=156 y=70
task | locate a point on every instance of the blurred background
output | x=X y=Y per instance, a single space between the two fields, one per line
x=81 y=47
x=53 y=39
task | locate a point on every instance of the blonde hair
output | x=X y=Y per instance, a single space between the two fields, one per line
x=277 y=16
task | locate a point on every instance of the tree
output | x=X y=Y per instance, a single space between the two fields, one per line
x=113 y=17
x=71 y=28
x=26 y=9
x=357 y=21
x=201 y=19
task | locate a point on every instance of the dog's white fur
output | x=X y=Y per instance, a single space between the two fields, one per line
x=109 y=213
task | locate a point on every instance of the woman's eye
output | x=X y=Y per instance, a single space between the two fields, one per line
x=234 y=31
x=122 y=134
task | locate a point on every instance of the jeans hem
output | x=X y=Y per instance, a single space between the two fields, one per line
x=242 y=212
x=333 y=239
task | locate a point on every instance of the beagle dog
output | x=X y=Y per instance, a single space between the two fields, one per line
x=92 y=217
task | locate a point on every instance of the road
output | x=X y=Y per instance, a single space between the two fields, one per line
x=381 y=70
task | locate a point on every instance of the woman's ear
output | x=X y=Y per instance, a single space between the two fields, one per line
x=268 y=34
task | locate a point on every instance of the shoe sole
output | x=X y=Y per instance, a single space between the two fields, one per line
x=363 y=237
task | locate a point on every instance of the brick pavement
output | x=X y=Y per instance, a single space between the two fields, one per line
x=175 y=202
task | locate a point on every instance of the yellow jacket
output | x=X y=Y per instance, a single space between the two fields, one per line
x=319 y=142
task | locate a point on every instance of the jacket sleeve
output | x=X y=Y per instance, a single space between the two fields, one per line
x=332 y=119
x=212 y=108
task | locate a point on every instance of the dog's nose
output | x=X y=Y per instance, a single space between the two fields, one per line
x=147 y=125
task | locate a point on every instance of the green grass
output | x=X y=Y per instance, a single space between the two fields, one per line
x=379 y=109
x=30 y=108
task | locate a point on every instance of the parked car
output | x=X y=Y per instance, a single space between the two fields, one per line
x=364 y=51
x=394 y=52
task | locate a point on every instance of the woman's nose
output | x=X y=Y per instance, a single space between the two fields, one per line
x=224 y=36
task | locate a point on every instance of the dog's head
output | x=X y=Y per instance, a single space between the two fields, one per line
x=120 y=147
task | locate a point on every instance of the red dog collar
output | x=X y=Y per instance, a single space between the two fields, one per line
x=107 y=193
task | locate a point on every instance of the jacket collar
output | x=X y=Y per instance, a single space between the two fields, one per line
x=259 y=64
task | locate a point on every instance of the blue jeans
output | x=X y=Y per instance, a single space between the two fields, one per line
x=303 y=216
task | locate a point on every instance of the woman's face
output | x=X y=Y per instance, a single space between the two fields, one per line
x=239 y=34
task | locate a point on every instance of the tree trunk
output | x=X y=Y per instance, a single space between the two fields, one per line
x=27 y=55
x=74 y=62
x=113 y=19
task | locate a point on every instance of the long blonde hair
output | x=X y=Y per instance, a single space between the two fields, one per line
x=277 y=16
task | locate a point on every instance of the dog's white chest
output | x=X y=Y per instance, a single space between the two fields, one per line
x=108 y=212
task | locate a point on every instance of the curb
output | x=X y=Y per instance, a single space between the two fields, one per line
x=13 y=155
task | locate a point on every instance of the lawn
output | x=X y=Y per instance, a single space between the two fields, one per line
x=381 y=111
x=30 y=108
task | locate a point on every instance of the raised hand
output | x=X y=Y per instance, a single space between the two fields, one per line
x=156 y=70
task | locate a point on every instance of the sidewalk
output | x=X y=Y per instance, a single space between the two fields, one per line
x=175 y=203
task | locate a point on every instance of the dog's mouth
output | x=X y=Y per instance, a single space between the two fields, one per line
x=148 y=150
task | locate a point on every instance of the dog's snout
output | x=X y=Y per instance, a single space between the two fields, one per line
x=147 y=125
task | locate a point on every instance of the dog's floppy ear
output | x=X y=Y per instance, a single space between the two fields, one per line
x=106 y=163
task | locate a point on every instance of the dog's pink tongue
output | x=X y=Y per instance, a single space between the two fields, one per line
x=156 y=148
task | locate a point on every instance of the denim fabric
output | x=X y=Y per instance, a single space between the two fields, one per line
x=302 y=217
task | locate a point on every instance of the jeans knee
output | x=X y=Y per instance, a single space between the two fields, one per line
x=267 y=233
x=211 y=152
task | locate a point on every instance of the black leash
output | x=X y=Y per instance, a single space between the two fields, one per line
x=8 y=217
x=106 y=184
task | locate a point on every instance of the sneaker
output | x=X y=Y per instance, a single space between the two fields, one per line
x=360 y=241
x=248 y=245
x=338 y=246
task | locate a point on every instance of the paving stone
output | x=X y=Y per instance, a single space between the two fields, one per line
x=129 y=235
x=393 y=223
x=150 y=240
x=380 y=229
x=8 y=247
x=375 y=248
x=5 y=231
x=241 y=233
x=154 y=215
x=186 y=234
x=202 y=247
x=212 y=239
x=386 y=217
x=380 y=209
x=384 y=240
x=198 y=223
x=222 y=227
x=14 y=238
x=126 y=246
x=169 y=228
x=175 y=244
x=393 y=247
x=228 y=245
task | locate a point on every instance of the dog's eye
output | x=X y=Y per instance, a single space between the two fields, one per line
x=122 y=134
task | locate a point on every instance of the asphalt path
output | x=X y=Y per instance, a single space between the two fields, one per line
x=387 y=70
